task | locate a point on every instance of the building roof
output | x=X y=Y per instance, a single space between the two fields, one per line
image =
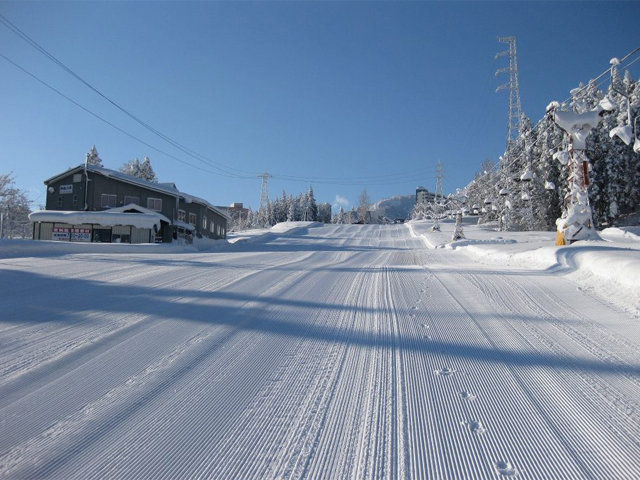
x=106 y=218
x=167 y=188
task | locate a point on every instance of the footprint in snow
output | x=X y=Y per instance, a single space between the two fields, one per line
x=506 y=469
x=414 y=308
x=468 y=396
x=425 y=325
x=475 y=426
x=445 y=372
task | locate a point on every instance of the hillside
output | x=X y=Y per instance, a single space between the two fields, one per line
x=399 y=206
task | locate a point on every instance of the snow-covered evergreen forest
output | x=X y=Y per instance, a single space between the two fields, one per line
x=614 y=188
x=286 y=208
x=301 y=208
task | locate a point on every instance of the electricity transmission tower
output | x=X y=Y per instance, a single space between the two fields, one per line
x=513 y=123
x=264 y=190
x=439 y=188
x=438 y=204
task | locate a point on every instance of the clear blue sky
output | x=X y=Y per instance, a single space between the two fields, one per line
x=327 y=91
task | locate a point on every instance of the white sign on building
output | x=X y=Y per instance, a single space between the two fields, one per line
x=80 y=234
x=60 y=234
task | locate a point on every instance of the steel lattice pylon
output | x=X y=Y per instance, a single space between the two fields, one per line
x=513 y=123
x=439 y=188
x=438 y=204
x=264 y=190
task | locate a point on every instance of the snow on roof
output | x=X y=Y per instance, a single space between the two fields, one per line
x=186 y=226
x=168 y=188
x=138 y=209
x=105 y=218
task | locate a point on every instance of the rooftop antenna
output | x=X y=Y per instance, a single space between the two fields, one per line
x=513 y=123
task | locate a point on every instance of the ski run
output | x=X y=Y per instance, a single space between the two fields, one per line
x=318 y=352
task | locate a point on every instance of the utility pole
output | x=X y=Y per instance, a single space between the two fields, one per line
x=513 y=123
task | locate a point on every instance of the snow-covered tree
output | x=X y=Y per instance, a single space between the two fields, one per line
x=551 y=179
x=364 y=203
x=292 y=213
x=614 y=187
x=93 y=157
x=15 y=210
x=324 y=213
x=312 y=206
x=351 y=216
x=146 y=171
x=142 y=170
x=132 y=167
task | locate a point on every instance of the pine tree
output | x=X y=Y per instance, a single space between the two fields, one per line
x=132 y=167
x=292 y=213
x=94 y=158
x=312 y=206
x=352 y=216
x=146 y=171
x=324 y=213
x=364 y=204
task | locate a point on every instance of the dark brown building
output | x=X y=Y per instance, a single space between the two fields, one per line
x=94 y=189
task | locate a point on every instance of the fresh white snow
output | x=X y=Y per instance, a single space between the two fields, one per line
x=317 y=352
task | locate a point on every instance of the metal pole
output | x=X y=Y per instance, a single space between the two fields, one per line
x=86 y=183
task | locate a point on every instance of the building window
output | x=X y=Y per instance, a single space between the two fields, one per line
x=75 y=200
x=59 y=201
x=107 y=200
x=182 y=215
x=204 y=222
x=212 y=227
x=154 y=204
x=77 y=177
x=192 y=219
x=128 y=200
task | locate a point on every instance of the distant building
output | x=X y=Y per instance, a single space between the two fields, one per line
x=94 y=204
x=235 y=210
x=424 y=196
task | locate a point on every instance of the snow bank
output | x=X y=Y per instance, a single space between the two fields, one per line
x=265 y=235
x=46 y=248
x=609 y=268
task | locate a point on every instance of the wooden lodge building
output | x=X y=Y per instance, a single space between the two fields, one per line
x=94 y=204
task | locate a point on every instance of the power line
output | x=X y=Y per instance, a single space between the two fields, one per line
x=225 y=170
x=518 y=157
x=106 y=121
x=177 y=145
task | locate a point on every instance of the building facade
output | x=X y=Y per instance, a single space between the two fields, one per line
x=424 y=196
x=92 y=188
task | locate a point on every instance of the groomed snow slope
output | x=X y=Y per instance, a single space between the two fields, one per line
x=328 y=352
